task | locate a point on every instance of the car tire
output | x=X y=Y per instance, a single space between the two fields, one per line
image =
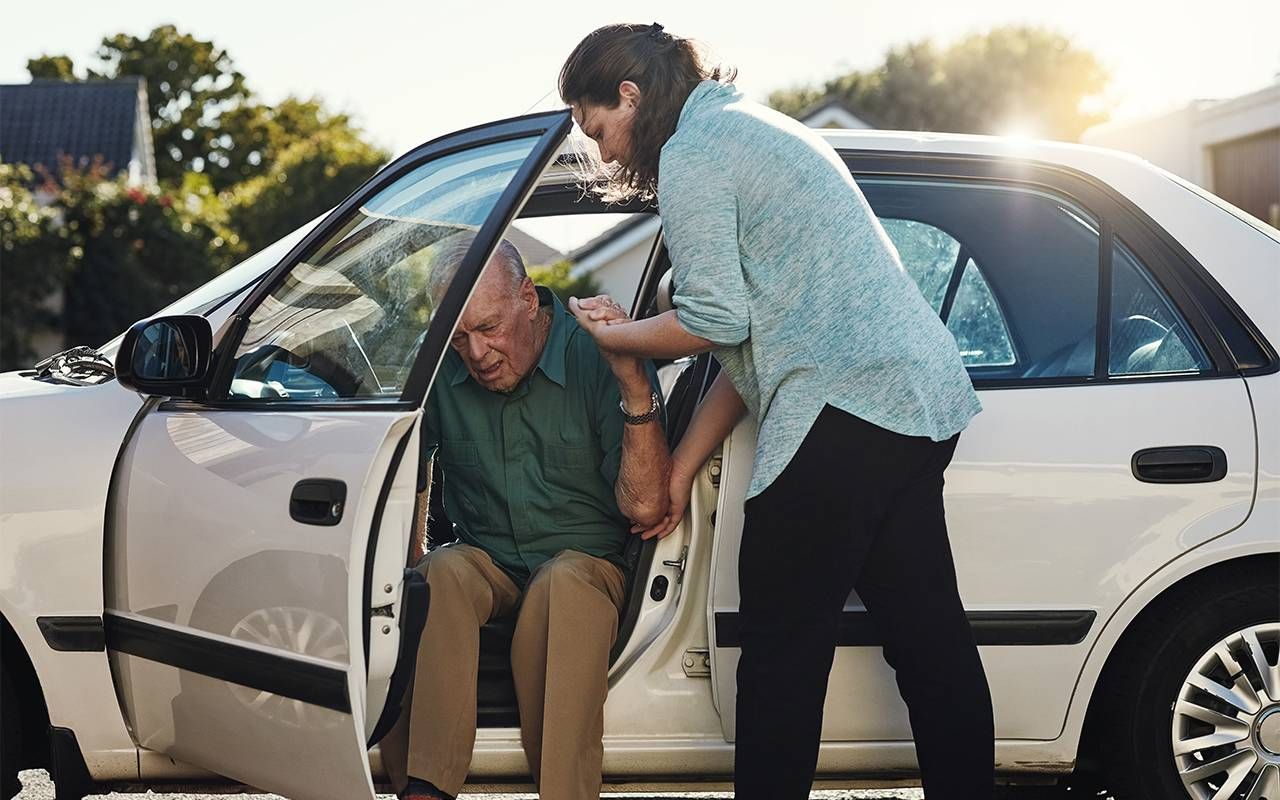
x=1153 y=689
x=10 y=737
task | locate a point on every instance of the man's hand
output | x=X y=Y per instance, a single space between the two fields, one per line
x=680 y=488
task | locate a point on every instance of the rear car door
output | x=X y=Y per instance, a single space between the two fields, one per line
x=1116 y=431
x=258 y=612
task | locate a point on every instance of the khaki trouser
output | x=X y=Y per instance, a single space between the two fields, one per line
x=567 y=623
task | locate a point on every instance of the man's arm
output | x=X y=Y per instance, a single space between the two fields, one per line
x=641 y=489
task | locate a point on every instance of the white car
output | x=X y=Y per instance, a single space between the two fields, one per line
x=202 y=558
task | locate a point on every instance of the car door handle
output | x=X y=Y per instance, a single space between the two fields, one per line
x=1191 y=464
x=318 y=501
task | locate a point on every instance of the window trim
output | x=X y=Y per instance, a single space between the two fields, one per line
x=549 y=128
x=1187 y=284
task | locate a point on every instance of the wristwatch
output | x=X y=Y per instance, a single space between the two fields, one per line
x=640 y=419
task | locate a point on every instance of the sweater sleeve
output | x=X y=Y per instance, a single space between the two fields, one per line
x=699 y=208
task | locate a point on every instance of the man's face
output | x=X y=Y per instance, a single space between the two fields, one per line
x=497 y=335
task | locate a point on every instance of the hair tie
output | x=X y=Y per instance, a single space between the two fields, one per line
x=655 y=32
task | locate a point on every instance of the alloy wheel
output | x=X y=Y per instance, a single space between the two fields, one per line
x=1226 y=719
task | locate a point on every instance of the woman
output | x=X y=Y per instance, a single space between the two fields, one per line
x=781 y=269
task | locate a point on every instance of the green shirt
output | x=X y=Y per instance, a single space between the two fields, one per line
x=531 y=473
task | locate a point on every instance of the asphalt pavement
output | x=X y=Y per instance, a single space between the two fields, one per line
x=37 y=786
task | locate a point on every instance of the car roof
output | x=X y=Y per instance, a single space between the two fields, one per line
x=1120 y=170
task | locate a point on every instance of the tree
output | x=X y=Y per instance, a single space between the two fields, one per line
x=264 y=133
x=112 y=253
x=33 y=264
x=557 y=278
x=58 y=68
x=986 y=83
x=191 y=83
x=306 y=178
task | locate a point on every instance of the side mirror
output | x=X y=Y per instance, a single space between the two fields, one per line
x=166 y=356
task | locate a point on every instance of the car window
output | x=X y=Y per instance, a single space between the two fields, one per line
x=346 y=322
x=1013 y=271
x=932 y=258
x=977 y=322
x=1147 y=335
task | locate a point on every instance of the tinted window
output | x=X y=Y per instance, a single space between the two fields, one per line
x=1147 y=335
x=1021 y=290
x=955 y=289
x=345 y=322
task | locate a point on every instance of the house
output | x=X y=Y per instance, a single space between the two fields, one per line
x=46 y=120
x=616 y=258
x=1229 y=147
x=534 y=251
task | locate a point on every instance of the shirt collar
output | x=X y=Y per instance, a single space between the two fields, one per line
x=705 y=90
x=553 y=352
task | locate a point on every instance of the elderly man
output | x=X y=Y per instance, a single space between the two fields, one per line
x=550 y=452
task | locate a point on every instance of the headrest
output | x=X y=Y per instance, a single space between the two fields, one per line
x=666 y=291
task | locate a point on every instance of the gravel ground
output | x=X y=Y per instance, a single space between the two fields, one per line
x=37 y=786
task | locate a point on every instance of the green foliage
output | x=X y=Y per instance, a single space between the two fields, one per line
x=307 y=178
x=235 y=174
x=985 y=83
x=190 y=85
x=556 y=277
x=33 y=263
x=118 y=253
x=57 y=68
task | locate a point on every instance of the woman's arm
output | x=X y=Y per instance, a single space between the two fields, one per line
x=713 y=420
x=656 y=337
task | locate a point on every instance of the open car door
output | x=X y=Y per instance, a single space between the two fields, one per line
x=260 y=622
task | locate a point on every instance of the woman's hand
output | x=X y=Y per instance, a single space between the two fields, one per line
x=595 y=315
x=601 y=308
x=680 y=487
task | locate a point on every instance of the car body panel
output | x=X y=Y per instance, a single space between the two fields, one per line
x=263 y=581
x=53 y=491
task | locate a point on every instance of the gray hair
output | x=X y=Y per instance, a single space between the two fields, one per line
x=448 y=257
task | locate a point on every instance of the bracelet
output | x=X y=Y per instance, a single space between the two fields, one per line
x=640 y=419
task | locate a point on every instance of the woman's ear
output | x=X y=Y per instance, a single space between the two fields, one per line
x=628 y=93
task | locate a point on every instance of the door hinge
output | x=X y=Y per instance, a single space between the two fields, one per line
x=714 y=469
x=678 y=564
x=697 y=663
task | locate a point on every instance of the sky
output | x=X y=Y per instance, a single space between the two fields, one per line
x=410 y=71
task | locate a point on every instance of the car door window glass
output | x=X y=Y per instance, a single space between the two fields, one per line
x=978 y=324
x=346 y=321
x=1025 y=305
x=930 y=256
x=1147 y=335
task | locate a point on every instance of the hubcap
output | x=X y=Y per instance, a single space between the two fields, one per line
x=1269 y=731
x=1226 y=719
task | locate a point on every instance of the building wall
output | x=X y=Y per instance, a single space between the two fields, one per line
x=621 y=276
x=1240 y=137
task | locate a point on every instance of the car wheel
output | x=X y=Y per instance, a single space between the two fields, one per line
x=10 y=737
x=1196 y=700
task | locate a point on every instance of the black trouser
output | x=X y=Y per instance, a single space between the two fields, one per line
x=858 y=507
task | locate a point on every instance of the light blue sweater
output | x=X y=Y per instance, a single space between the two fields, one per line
x=778 y=259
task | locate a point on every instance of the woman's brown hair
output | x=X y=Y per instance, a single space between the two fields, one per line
x=665 y=67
